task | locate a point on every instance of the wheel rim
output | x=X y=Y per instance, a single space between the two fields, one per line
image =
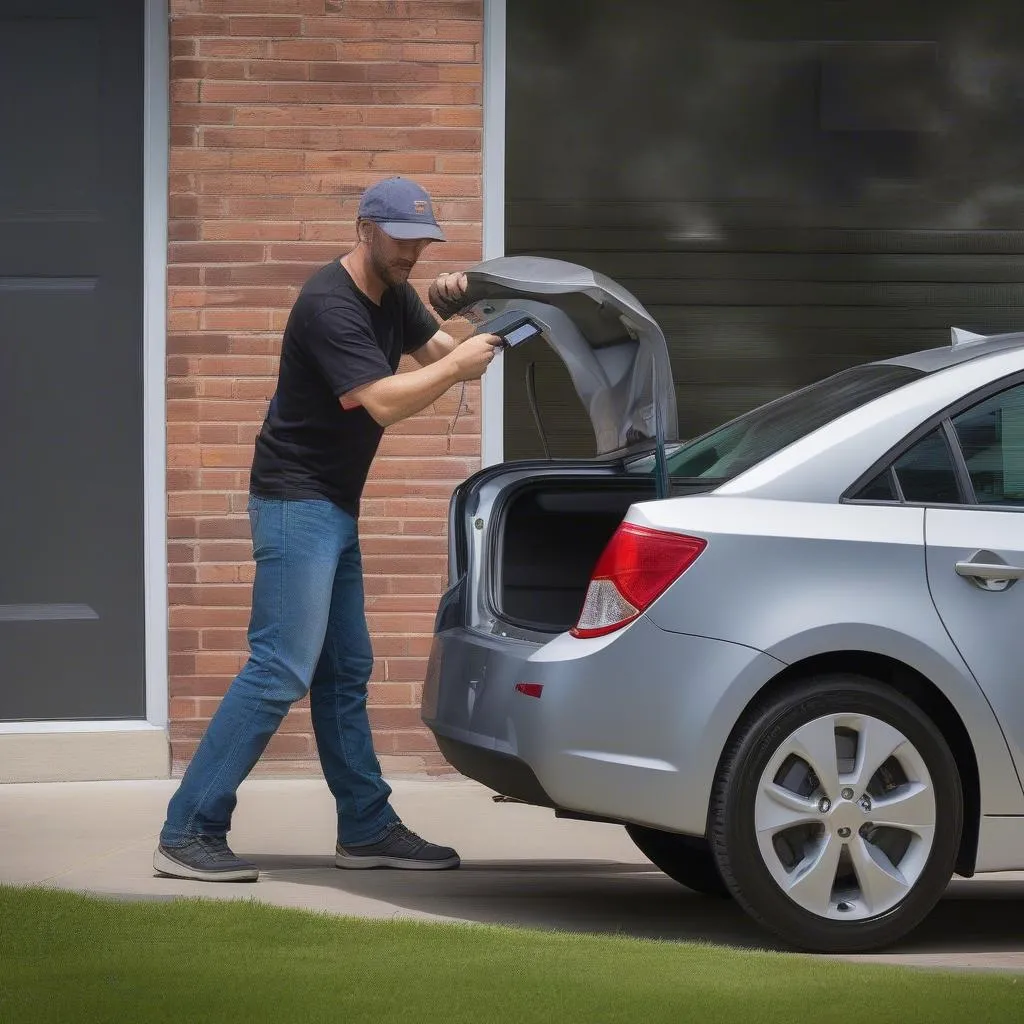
x=845 y=816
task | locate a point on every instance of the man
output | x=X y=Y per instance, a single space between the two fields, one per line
x=337 y=391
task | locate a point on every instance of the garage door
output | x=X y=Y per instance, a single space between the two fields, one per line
x=789 y=187
x=71 y=576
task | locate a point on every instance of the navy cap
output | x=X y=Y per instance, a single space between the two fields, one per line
x=401 y=208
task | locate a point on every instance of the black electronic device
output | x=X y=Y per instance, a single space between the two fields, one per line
x=513 y=328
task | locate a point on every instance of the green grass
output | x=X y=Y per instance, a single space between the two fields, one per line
x=76 y=960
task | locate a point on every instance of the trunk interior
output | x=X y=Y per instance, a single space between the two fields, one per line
x=550 y=538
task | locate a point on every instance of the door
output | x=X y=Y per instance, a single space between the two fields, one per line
x=71 y=518
x=976 y=558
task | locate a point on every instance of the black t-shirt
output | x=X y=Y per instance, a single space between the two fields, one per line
x=336 y=339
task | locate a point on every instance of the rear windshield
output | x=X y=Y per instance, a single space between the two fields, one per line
x=732 y=449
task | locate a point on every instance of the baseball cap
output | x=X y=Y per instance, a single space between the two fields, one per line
x=401 y=208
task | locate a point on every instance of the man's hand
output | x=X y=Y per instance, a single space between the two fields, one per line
x=446 y=292
x=475 y=354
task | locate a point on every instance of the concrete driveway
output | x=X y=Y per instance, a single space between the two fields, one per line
x=521 y=866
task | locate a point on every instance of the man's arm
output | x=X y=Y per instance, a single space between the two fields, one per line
x=440 y=345
x=397 y=397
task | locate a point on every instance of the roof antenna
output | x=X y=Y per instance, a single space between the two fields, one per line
x=531 y=394
x=958 y=336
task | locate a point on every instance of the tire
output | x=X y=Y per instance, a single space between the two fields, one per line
x=685 y=859
x=864 y=907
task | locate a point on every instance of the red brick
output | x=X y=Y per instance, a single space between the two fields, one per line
x=235 y=92
x=390 y=694
x=417 y=94
x=404 y=30
x=288 y=745
x=200 y=113
x=198 y=25
x=246 y=230
x=183 y=135
x=404 y=742
x=185 y=91
x=460 y=73
x=466 y=10
x=282 y=27
x=213 y=252
x=222 y=639
x=235 y=319
x=251 y=48
x=183 y=639
x=303 y=49
x=441 y=52
x=330 y=115
x=320 y=92
x=411 y=669
x=212 y=686
x=185 y=68
x=394 y=718
x=264 y=6
x=183 y=707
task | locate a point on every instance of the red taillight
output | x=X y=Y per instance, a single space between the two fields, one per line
x=636 y=567
x=530 y=689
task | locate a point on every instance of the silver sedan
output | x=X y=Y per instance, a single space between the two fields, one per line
x=787 y=656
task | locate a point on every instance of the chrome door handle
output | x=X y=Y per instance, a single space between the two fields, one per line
x=990 y=575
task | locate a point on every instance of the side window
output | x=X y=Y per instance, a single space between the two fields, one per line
x=991 y=436
x=926 y=472
x=882 y=488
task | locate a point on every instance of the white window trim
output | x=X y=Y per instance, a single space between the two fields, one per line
x=492 y=424
x=154 y=341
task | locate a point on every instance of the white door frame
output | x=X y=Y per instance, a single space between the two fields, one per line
x=492 y=423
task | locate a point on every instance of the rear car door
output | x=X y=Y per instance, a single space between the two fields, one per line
x=976 y=555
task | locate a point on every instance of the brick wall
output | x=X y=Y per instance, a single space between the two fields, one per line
x=282 y=112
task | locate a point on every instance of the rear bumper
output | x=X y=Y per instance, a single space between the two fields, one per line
x=628 y=727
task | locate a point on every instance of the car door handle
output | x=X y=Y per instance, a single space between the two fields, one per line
x=983 y=571
x=990 y=576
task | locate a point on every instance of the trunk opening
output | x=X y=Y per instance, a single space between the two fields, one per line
x=550 y=536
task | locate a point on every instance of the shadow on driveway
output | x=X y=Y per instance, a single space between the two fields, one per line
x=638 y=900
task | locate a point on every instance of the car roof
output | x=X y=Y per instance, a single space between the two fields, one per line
x=934 y=359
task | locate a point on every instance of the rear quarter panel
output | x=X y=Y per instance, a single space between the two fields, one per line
x=796 y=580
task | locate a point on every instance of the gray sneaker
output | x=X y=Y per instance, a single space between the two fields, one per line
x=206 y=859
x=400 y=848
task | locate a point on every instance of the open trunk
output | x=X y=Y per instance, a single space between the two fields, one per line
x=549 y=536
x=525 y=537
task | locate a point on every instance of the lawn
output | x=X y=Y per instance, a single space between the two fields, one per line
x=76 y=960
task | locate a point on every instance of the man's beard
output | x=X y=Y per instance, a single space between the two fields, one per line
x=391 y=274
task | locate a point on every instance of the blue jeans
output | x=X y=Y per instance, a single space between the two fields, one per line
x=307 y=634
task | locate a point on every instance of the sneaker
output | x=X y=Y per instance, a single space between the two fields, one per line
x=206 y=859
x=400 y=848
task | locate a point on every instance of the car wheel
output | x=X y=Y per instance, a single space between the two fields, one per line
x=685 y=859
x=836 y=814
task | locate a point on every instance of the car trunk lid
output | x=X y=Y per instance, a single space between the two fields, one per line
x=613 y=349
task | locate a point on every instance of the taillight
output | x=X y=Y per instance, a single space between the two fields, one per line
x=637 y=567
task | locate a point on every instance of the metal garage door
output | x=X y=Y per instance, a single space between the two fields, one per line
x=71 y=572
x=789 y=187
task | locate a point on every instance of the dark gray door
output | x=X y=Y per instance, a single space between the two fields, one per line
x=71 y=571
